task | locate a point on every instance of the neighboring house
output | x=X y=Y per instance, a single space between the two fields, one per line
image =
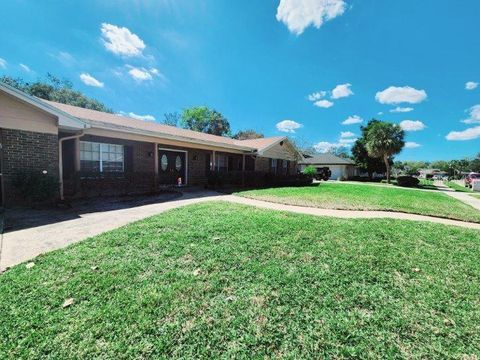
x=73 y=143
x=339 y=167
x=430 y=173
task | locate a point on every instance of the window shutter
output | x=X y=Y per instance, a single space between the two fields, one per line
x=128 y=155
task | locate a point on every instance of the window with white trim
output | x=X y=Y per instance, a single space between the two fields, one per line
x=100 y=157
x=222 y=163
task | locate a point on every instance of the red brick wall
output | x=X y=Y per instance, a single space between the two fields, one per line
x=26 y=151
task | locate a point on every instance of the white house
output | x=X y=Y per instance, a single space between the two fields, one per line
x=339 y=167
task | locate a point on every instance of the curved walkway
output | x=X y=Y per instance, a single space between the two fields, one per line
x=22 y=245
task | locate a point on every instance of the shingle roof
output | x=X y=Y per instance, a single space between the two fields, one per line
x=124 y=123
x=326 y=159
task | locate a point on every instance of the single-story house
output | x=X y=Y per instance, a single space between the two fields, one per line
x=339 y=167
x=71 y=143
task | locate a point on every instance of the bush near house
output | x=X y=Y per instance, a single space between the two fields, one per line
x=407 y=181
x=310 y=171
x=256 y=179
x=35 y=187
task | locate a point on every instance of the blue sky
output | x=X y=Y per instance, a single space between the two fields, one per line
x=294 y=67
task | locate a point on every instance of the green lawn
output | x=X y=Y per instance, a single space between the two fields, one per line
x=367 y=197
x=217 y=280
x=457 y=187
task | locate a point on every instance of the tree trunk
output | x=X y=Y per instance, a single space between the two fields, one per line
x=387 y=166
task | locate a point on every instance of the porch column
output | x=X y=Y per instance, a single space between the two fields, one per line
x=213 y=160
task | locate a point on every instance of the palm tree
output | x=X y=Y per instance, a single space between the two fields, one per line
x=383 y=140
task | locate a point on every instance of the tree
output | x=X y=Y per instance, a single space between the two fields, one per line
x=360 y=154
x=203 y=119
x=171 y=119
x=384 y=140
x=57 y=90
x=247 y=135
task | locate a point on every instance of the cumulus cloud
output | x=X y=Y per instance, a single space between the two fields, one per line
x=136 y=116
x=342 y=91
x=89 y=80
x=323 y=104
x=121 y=41
x=411 y=145
x=397 y=95
x=317 y=95
x=142 y=74
x=325 y=147
x=25 y=68
x=412 y=125
x=288 y=126
x=297 y=15
x=399 y=109
x=471 y=85
x=346 y=134
x=474 y=115
x=468 y=134
x=354 y=119
x=3 y=63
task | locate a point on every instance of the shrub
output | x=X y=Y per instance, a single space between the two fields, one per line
x=310 y=170
x=36 y=187
x=407 y=181
x=256 y=179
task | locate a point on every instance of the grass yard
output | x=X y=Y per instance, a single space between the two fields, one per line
x=366 y=197
x=457 y=187
x=218 y=280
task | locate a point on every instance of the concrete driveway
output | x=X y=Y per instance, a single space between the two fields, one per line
x=30 y=233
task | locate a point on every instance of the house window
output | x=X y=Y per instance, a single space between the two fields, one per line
x=99 y=157
x=285 y=167
x=273 y=166
x=222 y=163
x=164 y=162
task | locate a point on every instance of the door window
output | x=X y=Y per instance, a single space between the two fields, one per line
x=178 y=163
x=164 y=162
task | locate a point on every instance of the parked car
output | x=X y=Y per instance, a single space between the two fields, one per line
x=323 y=173
x=470 y=178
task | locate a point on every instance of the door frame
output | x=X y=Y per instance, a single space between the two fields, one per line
x=186 y=160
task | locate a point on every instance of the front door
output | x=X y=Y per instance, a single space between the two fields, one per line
x=172 y=167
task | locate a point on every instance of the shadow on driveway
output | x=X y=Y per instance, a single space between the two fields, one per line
x=24 y=218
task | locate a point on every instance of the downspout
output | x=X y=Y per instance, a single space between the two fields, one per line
x=60 y=159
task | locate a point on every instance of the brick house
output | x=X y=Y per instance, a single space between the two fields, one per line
x=95 y=152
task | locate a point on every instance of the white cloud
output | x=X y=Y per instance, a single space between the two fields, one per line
x=412 y=125
x=3 y=63
x=474 y=115
x=25 y=68
x=346 y=134
x=342 y=91
x=397 y=95
x=89 y=80
x=323 y=104
x=346 y=141
x=288 y=126
x=121 y=41
x=325 y=146
x=297 y=15
x=142 y=74
x=317 y=95
x=411 y=145
x=354 y=119
x=468 y=134
x=138 y=117
x=399 y=109
x=471 y=85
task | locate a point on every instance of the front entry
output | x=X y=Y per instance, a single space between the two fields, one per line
x=172 y=167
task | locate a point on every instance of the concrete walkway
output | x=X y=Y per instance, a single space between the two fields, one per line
x=22 y=245
x=461 y=196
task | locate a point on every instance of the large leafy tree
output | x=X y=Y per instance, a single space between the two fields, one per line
x=247 y=135
x=203 y=119
x=55 y=89
x=360 y=155
x=383 y=141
